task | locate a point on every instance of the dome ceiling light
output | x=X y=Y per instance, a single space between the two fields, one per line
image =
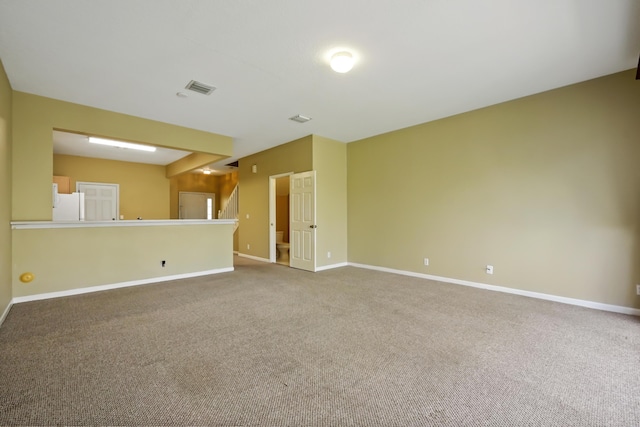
x=342 y=62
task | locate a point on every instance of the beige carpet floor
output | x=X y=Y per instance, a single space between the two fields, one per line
x=268 y=345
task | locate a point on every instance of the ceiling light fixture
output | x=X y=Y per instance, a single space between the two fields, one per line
x=342 y=62
x=206 y=171
x=120 y=144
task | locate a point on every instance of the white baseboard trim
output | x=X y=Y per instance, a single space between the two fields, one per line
x=538 y=295
x=255 y=258
x=6 y=312
x=99 y=288
x=235 y=252
x=332 y=266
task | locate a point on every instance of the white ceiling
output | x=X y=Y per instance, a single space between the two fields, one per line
x=418 y=60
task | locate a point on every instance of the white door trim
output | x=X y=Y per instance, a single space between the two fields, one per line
x=272 y=214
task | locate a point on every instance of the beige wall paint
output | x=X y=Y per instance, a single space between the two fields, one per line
x=5 y=190
x=330 y=164
x=545 y=188
x=35 y=117
x=64 y=259
x=294 y=156
x=144 y=190
x=194 y=182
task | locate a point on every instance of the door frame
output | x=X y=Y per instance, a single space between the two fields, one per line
x=272 y=214
x=79 y=183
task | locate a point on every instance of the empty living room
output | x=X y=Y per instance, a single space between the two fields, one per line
x=288 y=213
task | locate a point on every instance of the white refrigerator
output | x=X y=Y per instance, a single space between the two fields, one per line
x=67 y=207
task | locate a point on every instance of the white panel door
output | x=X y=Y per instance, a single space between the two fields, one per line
x=302 y=199
x=196 y=205
x=100 y=201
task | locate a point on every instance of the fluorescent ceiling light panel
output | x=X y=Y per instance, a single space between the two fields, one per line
x=120 y=144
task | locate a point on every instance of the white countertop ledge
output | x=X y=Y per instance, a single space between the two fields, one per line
x=25 y=225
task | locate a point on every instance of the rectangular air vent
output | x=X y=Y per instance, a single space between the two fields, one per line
x=300 y=119
x=200 y=87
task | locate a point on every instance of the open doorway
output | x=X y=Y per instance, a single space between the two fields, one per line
x=279 y=218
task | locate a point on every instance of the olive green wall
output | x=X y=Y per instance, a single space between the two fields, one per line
x=5 y=191
x=144 y=189
x=34 y=118
x=295 y=156
x=544 y=188
x=329 y=159
x=195 y=182
x=58 y=257
x=330 y=164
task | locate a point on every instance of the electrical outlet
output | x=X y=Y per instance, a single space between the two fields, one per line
x=328 y=254
x=637 y=289
x=426 y=261
x=489 y=269
x=248 y=246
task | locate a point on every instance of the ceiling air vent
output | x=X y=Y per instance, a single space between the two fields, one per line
x=300 y=119
x=200 y=87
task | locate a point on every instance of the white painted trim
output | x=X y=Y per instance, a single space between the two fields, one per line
x=538 y=295
x=332 y=266
x=99 y=288
x=24 y=225
x=6 y=312
x=255 y=258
